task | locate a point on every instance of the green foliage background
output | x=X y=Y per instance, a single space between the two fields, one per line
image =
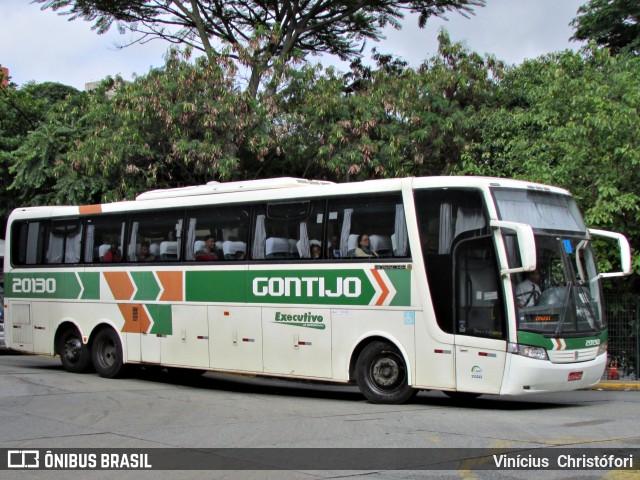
x=567 y=119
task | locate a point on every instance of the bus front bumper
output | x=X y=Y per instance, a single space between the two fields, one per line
x=525 y=375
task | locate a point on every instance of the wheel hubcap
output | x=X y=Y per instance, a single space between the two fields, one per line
x=109 y=354
x=72 y=349
x=386 y=372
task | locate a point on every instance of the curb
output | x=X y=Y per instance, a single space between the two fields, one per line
x=632 y=386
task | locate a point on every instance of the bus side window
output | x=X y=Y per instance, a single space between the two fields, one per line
x=28 y=243
x=380 y=218
x=64 y=242
x=288 y=230
x=229 y=227
x=155 y=237
x=104 y=239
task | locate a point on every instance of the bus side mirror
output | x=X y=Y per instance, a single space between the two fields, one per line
x=625 y=252
x=526 y=245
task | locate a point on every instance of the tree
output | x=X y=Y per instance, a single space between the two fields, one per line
x=184 y=124
x=22 y=110
x=386 y=122
x=40 y=172
x=614 y=24
x=571 y=120
x=261 y=35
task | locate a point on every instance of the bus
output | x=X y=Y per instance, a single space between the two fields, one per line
x=396 y=285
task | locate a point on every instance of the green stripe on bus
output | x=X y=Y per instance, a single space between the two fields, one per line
x=302 y=287
x=91 y=283
x=401 y=280
x=56 y=285
x=223 y=286
x=538 y=340
x=162 y=320
x=147 y=286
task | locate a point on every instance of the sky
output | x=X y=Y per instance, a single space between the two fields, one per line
x=43 y=46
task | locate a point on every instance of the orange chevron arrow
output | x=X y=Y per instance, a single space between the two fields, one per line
x=120 y=284
x=135 y=316
x=383 y=286
x=171 y=283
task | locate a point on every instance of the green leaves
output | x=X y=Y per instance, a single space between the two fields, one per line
x=572 y=120
x=611 y=24
x=262 y=35
x=567 y=119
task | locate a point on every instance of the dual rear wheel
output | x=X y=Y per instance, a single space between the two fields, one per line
x=104 y=355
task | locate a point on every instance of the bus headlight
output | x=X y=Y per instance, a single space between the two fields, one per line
x=538 y=353
x=602 y=348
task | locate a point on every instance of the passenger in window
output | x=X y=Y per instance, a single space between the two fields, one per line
x=113 y=254
x=208 y=252
x=316 y=251
x=145 y=255
x=334 y=249
x=364 y=249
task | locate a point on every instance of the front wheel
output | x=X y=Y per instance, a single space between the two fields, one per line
x=107 y=354
x=382 y=374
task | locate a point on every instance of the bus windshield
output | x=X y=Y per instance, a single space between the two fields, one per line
x=562 y=297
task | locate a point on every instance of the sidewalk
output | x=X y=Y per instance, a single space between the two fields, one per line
x=623 y=385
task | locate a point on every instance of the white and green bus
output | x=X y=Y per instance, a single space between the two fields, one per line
x=275 y=277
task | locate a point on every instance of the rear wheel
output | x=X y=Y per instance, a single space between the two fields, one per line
x=382 y=374
x=107 y=354
x=74 y=355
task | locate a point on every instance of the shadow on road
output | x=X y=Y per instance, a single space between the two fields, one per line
x=250 y=384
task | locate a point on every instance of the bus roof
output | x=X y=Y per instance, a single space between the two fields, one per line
x=229 y=187
x=263 y=190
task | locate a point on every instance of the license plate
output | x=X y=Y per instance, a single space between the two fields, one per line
x=573 y=376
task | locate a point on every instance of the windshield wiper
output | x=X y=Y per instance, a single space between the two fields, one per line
x=565 y=308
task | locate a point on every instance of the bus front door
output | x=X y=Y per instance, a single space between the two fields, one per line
x=479 y=317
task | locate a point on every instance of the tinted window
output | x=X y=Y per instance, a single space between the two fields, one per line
x=445 y=219
x=217 y=233
x=288 y=230
x=155 y=237
x=104 y=239
x=367 y=227
x=27 y=243
x=64 y=242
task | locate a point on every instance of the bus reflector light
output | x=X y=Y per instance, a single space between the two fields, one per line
x=573 y=376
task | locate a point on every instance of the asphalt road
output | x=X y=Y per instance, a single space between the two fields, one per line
x=42 y=406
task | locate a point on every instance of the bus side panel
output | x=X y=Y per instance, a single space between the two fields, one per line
x=435 y=361
x=18 y=327
x=351 y=327
x=188 y=343
x=235 y=338
x=43 y=334
x=298 y=341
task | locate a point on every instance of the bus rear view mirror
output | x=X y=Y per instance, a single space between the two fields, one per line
x=526 y=245
x=625 y=252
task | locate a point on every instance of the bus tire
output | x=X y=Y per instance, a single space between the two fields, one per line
x=74 y=355
x=106 y=352
x=382 y=374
